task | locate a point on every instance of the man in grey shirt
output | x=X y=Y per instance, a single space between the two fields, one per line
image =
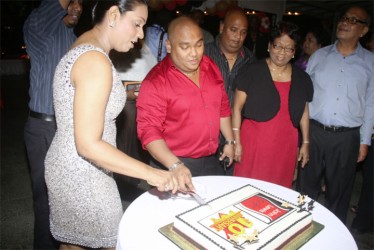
x=341 y=113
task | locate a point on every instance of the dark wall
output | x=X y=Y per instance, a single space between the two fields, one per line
x=13 y=15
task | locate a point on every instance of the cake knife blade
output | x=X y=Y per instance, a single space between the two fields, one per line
x=198 y=198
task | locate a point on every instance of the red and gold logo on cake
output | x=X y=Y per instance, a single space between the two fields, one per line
x=231 y=223
x=265 y=206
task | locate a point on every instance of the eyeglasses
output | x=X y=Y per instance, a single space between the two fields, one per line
x=351 y=20
x=280 y=48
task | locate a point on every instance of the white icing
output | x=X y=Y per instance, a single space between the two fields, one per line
x=196 y=223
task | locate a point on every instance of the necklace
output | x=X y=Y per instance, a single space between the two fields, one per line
x=279 y=74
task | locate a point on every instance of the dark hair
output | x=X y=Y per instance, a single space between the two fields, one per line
x=101 y=7
x=285 y=28
x=321 y=35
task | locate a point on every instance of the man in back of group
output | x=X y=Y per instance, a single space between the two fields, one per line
x=341 y=113
x=256 y=40
x=229 y=53
x=48 y=34
x=198 y=16
x=156 y=33
x=182 y=106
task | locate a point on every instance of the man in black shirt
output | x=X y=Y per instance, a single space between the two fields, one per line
x=229 y=53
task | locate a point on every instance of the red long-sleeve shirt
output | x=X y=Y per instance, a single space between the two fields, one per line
x=171 y=107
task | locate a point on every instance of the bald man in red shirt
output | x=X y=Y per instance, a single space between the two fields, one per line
x=183 y=106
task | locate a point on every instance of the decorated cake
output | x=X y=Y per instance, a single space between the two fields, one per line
x=246 y=218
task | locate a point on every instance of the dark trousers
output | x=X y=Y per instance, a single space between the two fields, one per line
x=208 y=165
x=128 y=142
x=364 y=219
x=335 y=155
x=127 y=139
x=38 y=135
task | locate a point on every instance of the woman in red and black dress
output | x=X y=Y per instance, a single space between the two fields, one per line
x=272 y=97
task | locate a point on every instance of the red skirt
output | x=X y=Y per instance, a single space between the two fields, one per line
x=270 y=148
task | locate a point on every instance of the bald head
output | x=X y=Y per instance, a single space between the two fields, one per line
x=235 y=14
x=233 y=31
x=180 y=25
x=185 y=44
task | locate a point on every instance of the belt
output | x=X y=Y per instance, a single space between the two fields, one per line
x=332 y=128
x=41 y=116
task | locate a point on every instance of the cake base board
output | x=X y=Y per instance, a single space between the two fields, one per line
x=294 y=243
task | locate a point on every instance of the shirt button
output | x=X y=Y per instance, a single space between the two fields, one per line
x=334 y=113
x=337 y=99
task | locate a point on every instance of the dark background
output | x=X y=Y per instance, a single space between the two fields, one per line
x=14 y=13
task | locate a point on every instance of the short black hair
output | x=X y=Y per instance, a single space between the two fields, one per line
x=285 y=28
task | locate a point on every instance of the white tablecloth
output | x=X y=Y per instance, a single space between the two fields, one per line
x=149 y=212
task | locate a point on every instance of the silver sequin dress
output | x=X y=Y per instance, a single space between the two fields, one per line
x=85 y=206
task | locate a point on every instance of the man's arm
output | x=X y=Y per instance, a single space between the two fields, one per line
x=151 y=113
x=64 y=4
x=44 y=20
x=304 y=128
x=366 y=129
x=363 y=152
x=161 y=152
x=226 y=130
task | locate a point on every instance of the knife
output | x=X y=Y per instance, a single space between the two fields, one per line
x=198 y=198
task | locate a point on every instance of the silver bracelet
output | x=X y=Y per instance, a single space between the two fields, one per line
x=175 y=165
x=230 y=142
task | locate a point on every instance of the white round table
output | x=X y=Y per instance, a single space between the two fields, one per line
x=152 y=210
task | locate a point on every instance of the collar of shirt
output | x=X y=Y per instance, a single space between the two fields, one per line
x=242 y=52
x=203 y=65
x=359 y=51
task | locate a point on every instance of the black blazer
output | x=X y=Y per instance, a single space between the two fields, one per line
x=263 y=100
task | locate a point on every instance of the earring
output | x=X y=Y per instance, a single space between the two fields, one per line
x=112 y=24
x=268 y=50
x=293 y=56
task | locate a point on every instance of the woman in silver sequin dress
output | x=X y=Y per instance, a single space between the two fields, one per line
x=85 y=206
